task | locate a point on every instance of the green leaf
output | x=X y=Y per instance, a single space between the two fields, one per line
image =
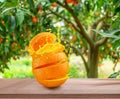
x=19 y=17
x=11 y=23
x=4 y=11
x=110 y=34
x=11 y=3
x=52 y=1
x=26 y=11
x=114 y=75
x=31 y=3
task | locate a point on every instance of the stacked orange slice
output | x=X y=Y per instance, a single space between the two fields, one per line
x=49 y=62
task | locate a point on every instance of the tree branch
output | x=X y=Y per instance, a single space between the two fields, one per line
x=79 y=52
x=83 y=32
x=94 y=25
x=85 y=63
x=101 y=42
x=57 y=14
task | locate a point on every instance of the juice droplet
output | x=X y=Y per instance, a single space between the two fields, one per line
x=59 y=35
x=65 y=42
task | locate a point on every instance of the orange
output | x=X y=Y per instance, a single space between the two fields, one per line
x=48 y=59
x=34 y=19
x=3 y=22
x=54 y=4
x=1 y=40
x=118 y=60
x=74 y=38
x=96 y=14
x=81 y=42
x=52 y=71
x=41 y=39
x=109 y=45
x=69 y=1
x=40 y=10
x=49 y=62
x=53 y=83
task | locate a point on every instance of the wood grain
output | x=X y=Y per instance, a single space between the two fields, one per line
x=72 y=89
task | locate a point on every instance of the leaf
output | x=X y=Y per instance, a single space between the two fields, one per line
x=108 y=34
x=114 y=75
x=20 y=17
x=11 y=23
x=31 y=3
x=52 y=1
x=7 y=10
x=26 y=11
x=11 y=3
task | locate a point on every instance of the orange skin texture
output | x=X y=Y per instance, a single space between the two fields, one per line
x=52 y=71
x=41 y=61
x=49 y=69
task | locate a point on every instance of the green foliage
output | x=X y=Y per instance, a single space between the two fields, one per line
x=115 y=75
x=19 y=69
x=75 y=72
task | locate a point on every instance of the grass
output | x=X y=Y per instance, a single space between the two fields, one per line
x=21 y=68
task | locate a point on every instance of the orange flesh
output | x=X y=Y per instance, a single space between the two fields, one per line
x=41 y=39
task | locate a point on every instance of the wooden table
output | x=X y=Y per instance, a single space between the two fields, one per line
x=72 y=89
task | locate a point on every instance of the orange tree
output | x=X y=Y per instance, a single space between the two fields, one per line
x=85 y=26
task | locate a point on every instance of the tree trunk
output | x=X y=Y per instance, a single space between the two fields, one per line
x=93 y=62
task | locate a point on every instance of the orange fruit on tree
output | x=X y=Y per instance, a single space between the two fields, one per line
x=81 y=42
x=119 y=60
x=69 y=1
x=54 y=4
x=39 y=10
x=74 y=38
x=34 y=19
x=49 y=62
x=96 y=14
x=3 y=22
x=1 y=40
x=109 y=45
x=74 y=2
x=13 y=44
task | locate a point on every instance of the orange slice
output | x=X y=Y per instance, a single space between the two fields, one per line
x=51 y=71
x=53 y=83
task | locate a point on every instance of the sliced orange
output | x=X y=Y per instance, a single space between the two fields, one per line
x=47 y=59
x=53 y=83
x=41 y=39
x=52 y=71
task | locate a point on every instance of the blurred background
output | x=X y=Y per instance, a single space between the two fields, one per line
x=89 y=29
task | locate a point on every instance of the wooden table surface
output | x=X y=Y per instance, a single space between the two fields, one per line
x=72 y=89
